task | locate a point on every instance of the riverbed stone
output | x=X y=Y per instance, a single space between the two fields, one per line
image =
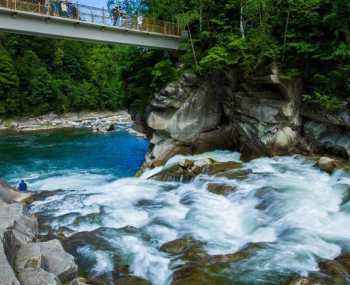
x=309 y=281
x=336 y=270
x=37 y=276
x=327 y=164
x=239 y=174
x=195 y=275
x=174 y=173
x=131 y=280
x=220 y=189
x=218 y=167
x=344 y=259
x=179 y=246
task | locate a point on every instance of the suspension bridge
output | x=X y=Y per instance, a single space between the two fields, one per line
x=85 y=23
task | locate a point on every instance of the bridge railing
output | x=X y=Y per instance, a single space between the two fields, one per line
x=91 y=14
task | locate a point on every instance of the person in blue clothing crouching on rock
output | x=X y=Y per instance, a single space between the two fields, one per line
x=22 y=187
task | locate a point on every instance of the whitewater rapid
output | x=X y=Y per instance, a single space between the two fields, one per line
x=300 y=214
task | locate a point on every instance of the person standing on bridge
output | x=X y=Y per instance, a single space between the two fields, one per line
x=55 y=7
x=64 y=8
x=115 y=15
x=139 y=22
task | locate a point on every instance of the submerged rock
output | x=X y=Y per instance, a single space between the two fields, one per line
x=201 y=268
x=327 y=164
x=220 y=189
x=188 y=248
x=194 y=275
x=174 y=173
x=186 y=170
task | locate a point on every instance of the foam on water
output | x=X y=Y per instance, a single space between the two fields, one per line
x=296 y=210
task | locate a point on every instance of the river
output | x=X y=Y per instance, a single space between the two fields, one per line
x=297 y=214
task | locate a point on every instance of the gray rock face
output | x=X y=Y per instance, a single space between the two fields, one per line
x=184 y=110
x=260 y=115
x=38 y=276
x=327 y=138
x=7 y=275
x=49 y=256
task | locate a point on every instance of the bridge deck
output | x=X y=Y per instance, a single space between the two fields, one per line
x=85 y=23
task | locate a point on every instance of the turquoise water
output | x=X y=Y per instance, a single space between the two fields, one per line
x=69 y=158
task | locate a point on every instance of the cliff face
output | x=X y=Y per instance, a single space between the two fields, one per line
x=258 y=116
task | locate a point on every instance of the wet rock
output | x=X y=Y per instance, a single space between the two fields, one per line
x=186 y=163
x=58 y=261
x=165 y=149
x=131 y=280
x=327 y=164
x=37 y=276
x=344 y=260
x=179 y=246
x=309 y=281
x=239 y=174
x=218 y=167
x=174 y=173
x=193 y=275
x=220 y=189
x=186 y=170
x=336 y=270
x=201 y=268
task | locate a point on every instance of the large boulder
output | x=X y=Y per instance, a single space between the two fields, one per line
x=49 y=256
x=37 y=276
x=183 y=112
x=327 y=164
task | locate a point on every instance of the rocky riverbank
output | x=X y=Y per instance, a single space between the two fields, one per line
x=24 y=259
x=96 y=121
